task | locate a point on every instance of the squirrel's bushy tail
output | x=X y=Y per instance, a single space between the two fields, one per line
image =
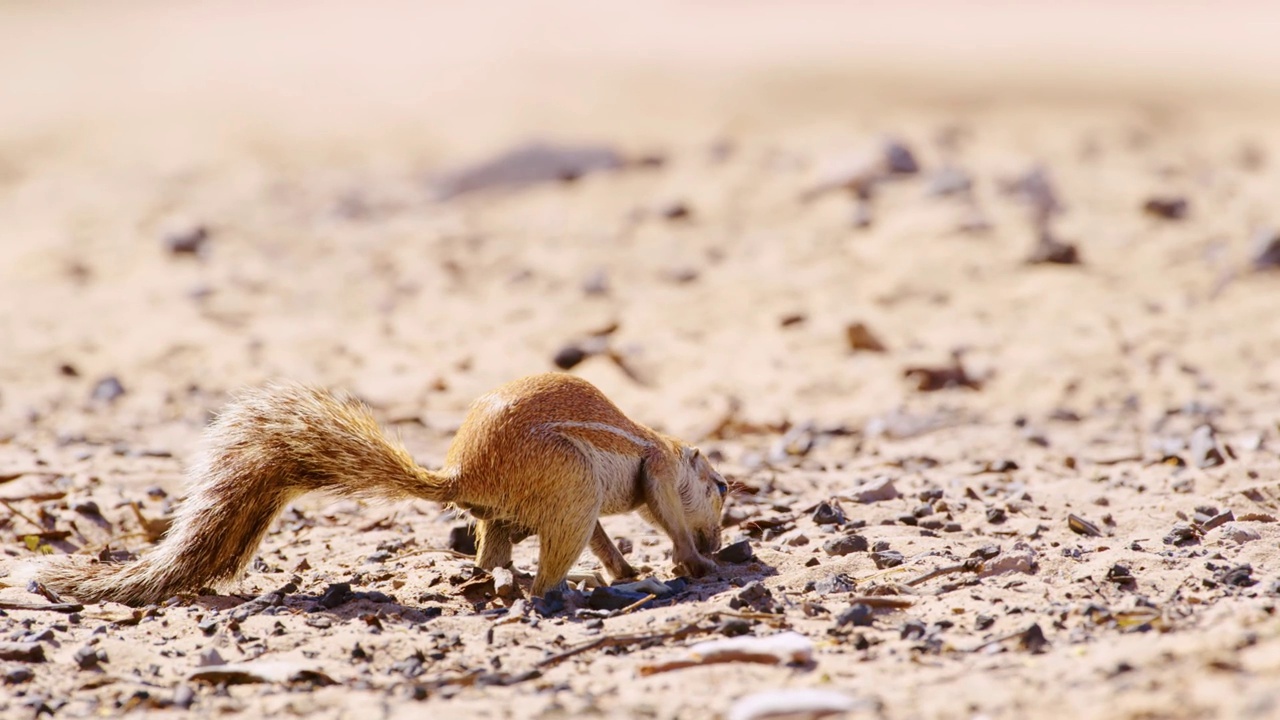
x=265 y=449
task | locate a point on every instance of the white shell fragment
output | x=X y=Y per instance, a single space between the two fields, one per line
x=791 y=703
x=276 y=671
x=785 y=647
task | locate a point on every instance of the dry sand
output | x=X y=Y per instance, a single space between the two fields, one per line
x=305 y=140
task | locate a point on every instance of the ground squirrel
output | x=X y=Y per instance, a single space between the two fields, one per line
x=545 y=455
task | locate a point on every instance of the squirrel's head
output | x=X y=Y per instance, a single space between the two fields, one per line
x=702 y=491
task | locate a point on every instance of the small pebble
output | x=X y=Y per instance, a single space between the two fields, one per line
x=186 y=241
x=107 y=390
x=828 y=514
x=885 y=559
x=842 y=546
x=857 y=615
x=86 y=657
x=739 y=552
x=1266 y=250
x=184 y=697
x=569 y=356
x=1166 y=207
x=1051 y=251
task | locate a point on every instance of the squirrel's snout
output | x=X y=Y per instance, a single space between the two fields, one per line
x=707 y=542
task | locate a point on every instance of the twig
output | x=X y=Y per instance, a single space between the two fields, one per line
x=619 y=640
x=19 y=513
x=767 y=617
x=882 y=601
x=971 y=565
x=444 y=551
x=52 y=607
x=636 y=605
x=1118 y=460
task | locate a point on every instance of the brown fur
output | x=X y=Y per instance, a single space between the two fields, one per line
x=545 y=455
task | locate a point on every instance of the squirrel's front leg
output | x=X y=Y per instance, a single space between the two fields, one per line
x=665 y=508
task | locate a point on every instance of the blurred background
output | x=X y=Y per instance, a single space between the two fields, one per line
x=304 y=145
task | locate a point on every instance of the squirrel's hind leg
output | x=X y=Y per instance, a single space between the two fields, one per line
x=560 y=547
x=494 y=540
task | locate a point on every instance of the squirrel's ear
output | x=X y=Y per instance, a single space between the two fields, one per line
x=690 y=453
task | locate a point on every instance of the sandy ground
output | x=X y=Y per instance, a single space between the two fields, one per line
x=307 y=144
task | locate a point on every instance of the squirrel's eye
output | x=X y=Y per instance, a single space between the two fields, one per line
x=722 y=487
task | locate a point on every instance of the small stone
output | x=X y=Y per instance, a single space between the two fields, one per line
x=189 y=240
x=184 y=697
x=1238 y=576
x=18 y=675
x=504 y=583
x=597 y=283
x=208 y=626
x=842 y=546
x=28 y=652
x=107 y=390
x=942 y=377
x=756 y=596
x=983 y=622
x=1166 y=207
x=996 y=515
x=1036 y=188
x=1239 y=534
x=674 y=210
x=908 y=519
x=828 y=514
x=876 y=490
x=838 y=583
x=86 y=657
x=885 y=559
x=611 y=598
x=857 y=615
x=1266 y=250
x=913 y=630
x=335 y=595
x=734 y=627
x=1182 y=534
x=210 y=658
x=1033 y=640
x=737 y=553
x=860 y=338
x=1049 y=250
x=569 y=356
x=797 y=539
x=1081 y=526
x=88 y=508
x=462 y=539
x=1204 y=448
x=898 y=158
x=1120 y=575
x=379 y=556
